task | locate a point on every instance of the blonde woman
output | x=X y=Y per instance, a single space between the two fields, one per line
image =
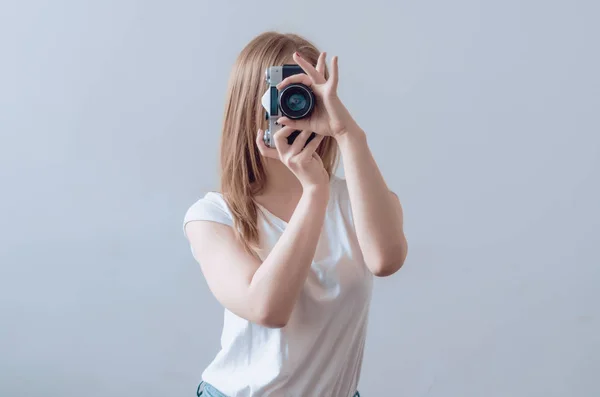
x=288 y=248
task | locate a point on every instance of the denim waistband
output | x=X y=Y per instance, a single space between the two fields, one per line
x=212 y=392
x=208 y=390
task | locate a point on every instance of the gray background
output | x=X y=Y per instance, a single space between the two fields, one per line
x=482 y=115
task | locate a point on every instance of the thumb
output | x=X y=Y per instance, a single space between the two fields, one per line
x=264 y=150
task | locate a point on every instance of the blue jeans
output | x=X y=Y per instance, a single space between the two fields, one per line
x=210 y=391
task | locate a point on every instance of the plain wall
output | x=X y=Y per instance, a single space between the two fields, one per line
x=483 y=117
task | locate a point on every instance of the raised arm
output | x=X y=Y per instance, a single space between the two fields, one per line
x=265 y=293
x=377 y=211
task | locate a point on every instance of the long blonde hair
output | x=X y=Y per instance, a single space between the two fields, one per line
x=242 y=169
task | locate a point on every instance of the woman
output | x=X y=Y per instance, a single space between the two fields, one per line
x=288 y=248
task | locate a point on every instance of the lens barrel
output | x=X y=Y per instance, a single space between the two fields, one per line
x=296 y=101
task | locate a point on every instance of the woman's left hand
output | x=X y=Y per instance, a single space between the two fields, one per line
x=330 y=116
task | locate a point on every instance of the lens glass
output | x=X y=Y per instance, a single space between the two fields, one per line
x=296 y=102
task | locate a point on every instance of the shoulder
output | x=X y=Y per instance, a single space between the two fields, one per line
x=211 y=207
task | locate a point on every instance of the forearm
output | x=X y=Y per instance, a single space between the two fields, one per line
x=277 y=283
x=376 y=211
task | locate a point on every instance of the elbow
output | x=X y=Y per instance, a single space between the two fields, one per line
x=390 y=263
x=386 y=269
x=272 y=322
x=271 y=319
x=265 y=310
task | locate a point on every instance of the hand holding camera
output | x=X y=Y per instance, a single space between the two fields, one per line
x=330 y=116
x=300 y=97
x=300 y=100
x=299 y=156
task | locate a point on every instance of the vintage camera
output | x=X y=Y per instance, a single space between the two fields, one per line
x=296 y=101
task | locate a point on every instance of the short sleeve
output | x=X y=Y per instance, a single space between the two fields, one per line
x=211 y=207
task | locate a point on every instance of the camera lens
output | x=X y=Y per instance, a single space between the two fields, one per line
x=296 y=101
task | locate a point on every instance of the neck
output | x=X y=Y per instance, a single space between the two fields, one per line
x=281 y=182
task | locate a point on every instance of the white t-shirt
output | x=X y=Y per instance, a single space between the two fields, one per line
x=320 y=351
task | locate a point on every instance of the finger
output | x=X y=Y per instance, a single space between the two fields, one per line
x=334 y=78
x=280 y=139
x=295 y=79
x=308 y=68
x=299 y=142
x=321 y=64
x=298 y=124
x=263 y=148
x=312 y=146
x=316 y=156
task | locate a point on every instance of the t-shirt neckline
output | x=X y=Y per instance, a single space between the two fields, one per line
x=271 y=215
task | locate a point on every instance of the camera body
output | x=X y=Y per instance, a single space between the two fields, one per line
x=296 y=101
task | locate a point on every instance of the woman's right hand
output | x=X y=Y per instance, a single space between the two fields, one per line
x=303 y=161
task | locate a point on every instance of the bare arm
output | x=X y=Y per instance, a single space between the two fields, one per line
x=376 y=210
x=262 y=293
x=265 y=293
